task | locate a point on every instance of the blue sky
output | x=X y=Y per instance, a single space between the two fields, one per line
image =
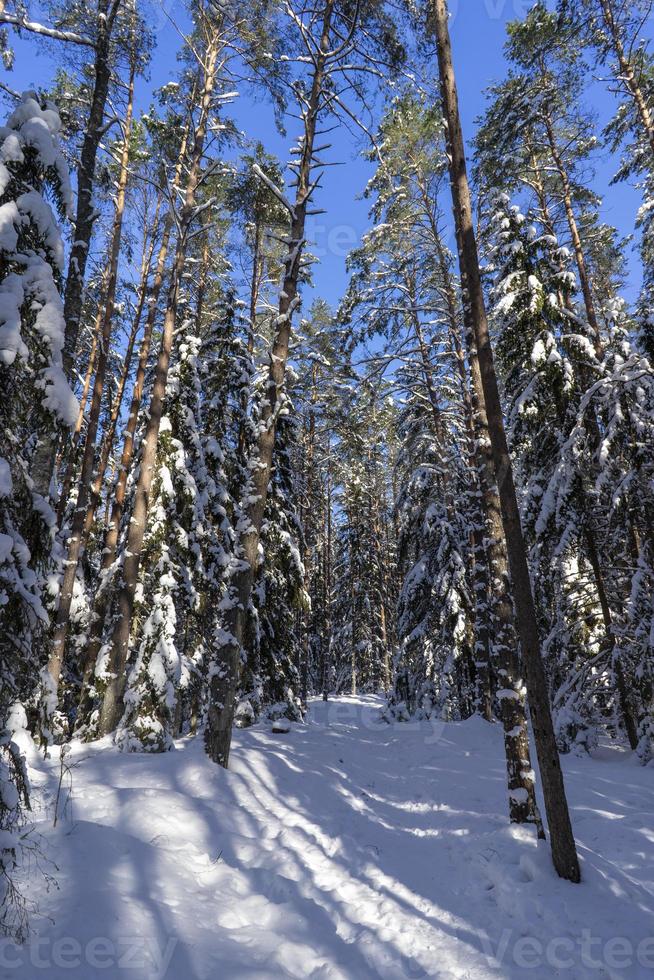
x=478 y=32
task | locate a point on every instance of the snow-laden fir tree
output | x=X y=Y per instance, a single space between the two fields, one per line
x=364 y=593
x=576 y=426
x=623 y=461
x=402 y=290
x=173 y=574
x=190 y=515
x=531 y=314
x=279 y=598
x=434 y=669
x=36 y=402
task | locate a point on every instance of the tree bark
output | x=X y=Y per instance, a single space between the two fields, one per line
x=71 y=461
x=309 y=539
x=86 y=213
x=327 y=578
x=255 y=286
x=562 y=840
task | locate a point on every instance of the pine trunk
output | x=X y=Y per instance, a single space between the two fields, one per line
x=86 y=212
x=224 y=684
x=628 y=75
x=480 y=570
x=71 y=452
x=110 y=544
x=563 y=845
x=109 y=436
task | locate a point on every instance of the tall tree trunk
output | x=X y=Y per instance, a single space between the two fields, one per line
x=255 y=286
x=355 y=570
x=76 y=540
x=480 y=571
x=45 y=454
x=110 y=434
x=327 y=578
x=110 y=545
x=224 y=684
x=71 y=452
x=580 y=258
x=499 y=611
x=309 y=538
x=112 y=704
x=630 y=723
x=386 y=666
x=627 y=74
x=86 y=212
x=563 y=845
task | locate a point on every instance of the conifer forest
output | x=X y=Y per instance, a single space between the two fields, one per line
x=327 y=489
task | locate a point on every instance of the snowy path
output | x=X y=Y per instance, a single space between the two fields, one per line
x=343 y=850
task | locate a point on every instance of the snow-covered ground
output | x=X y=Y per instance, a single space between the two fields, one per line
x=343 y=849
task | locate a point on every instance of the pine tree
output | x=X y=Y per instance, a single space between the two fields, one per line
x=537 y=102
x=78 y=529
x=417 y=287
x=320 y=34
x=364 y=607
x=614 y=33
x=203 y=83
x=321 y=391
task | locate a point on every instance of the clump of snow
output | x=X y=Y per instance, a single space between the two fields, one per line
x=32 y=247
x=244 y=716
x=6 y=483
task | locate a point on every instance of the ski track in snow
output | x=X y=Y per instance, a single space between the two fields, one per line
x=346 y=849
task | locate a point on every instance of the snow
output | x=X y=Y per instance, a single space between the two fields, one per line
x=31 y=125
x=25 y=222
x=32 y=207
x=6 y=483
x=11 y=299
x=6 y=547
x=9 y=219
x=347 y=848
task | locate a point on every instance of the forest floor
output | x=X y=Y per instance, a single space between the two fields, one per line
x=346 y=849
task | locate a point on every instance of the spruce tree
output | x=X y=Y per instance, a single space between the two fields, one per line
x=36 y=400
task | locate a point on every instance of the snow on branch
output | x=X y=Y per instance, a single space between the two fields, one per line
x=272 y=187
x=52 y=32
